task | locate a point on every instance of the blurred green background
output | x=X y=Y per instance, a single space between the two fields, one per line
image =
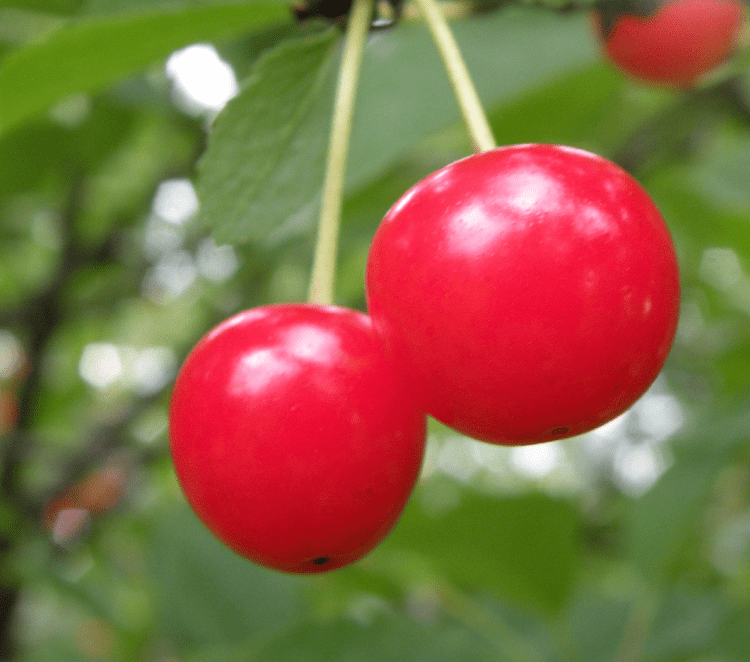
x=630 y=543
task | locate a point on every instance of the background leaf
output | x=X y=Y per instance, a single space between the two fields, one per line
x=208 y=595
x=90 y=53
x=388 y=639
x=511 y=551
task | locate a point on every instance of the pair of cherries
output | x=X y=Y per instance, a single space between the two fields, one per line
x=524 y=294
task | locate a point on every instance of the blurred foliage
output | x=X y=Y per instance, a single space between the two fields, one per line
x=629 y=543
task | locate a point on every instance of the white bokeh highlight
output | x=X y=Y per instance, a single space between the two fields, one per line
x=216 y=263
x=100 y=365
x=175 y=201
x=146 y=370
x=539 y=460
x=203 y=82
x=175 y=269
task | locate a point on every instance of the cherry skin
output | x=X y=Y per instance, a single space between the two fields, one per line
x=677 y=43
x=292 y=437
x=528 y=293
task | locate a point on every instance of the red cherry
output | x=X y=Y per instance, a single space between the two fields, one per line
x=529 y=293
x=292 y=437
x=676 y=44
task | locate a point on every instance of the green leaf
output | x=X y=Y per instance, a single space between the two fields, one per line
x=19 y=26
x=55 y=6
x=723 y=175
x=595 y=624
x=733 y=641
x=581 y=100
x=242 y=54
x=52 y=651
x=207 y=595
x=385 y=640
x=686 y=625
x=260 y=178
x=113 y=6
x=28 y=155
x=88 y=54
x=657 y=524
x=520 y=548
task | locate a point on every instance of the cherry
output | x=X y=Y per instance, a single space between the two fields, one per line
x=528 y=293
x=672 y=42
x=292 y=437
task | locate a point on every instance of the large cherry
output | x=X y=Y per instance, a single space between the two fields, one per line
x=293 y=438
x=527 y=293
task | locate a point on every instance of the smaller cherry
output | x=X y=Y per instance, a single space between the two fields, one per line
x=293 y=438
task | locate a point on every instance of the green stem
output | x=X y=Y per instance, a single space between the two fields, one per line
x=466 y=94
x=324 y=263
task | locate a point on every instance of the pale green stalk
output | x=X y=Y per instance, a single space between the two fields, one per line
x=466 y=94
x=323 y=275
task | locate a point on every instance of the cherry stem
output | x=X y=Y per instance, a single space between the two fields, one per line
x=466 y=94
x=323 y=276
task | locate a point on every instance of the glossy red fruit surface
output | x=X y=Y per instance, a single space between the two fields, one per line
x=292 y=437
x=679 y=42
x=528 y=293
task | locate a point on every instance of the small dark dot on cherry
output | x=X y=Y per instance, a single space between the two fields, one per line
x=559 y=430
x=321 y=560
